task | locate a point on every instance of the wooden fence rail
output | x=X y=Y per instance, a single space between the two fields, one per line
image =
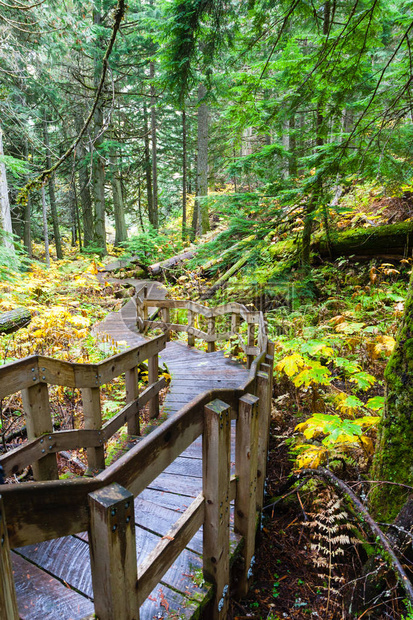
x=44 y=442
x=256 y=339
x=103 y=505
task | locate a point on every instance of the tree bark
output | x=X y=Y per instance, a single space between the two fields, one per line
x=395 y=441
x=27 y=229
x=183 y=174
x=200 y=221
x=45 y=228
x=52 y=196
x=148 y=164
x=5 y=213
x=118 y=207
x=98 y=166
x=85 y=196
x=154 y=220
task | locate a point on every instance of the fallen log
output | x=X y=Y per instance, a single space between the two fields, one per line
x=389 y=241
x=218 y=259
x=240 y=263
x=14 y=319
x=158 y=268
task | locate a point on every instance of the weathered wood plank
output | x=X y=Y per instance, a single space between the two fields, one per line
x=38 y=422
x=156 y=564
x=19 y=375
x=41 y=597
x=246 y=463
x=8 y=600
x=92 y=414
x=216 y=474
x=113 y=553
x=153 y=373
x=264 y=407
x=132 y=393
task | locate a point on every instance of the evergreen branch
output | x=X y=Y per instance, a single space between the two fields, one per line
x=45 y=175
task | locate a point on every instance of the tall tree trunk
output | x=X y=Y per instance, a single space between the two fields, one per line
x=27 y=229
x=52 y=196
x=118 y=206
x=5 y=213
x=183 y=174
x=200 y=222
x=148 y=164
x=393 y=456
x=84 y=191
x=98 y=166
x=316 y=195
x=45 y=228
x=154 y=220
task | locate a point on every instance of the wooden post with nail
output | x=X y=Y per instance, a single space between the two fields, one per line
x=113 y=553
x=216 y=480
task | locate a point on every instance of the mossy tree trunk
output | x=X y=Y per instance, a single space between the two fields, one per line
x=393 y=460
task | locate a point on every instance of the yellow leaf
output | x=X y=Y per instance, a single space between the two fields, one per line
x=290 y=364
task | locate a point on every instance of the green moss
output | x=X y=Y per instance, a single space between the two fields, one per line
x=393 y=460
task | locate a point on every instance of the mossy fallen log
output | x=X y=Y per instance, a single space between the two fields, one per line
x=391 y=240
x=14 y=319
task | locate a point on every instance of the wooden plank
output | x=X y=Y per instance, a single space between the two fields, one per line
x=38 y=422
x=8 y=600
x=264 y=407
x=216 y=473
x=41 y=597
x=189 y=486
x=113 y=553
x=20 y=375
x=153 y=375
x=92 y=414
x=190 y=328
x=143 y=463
x=132 y=409
x=211 y=335
x=24 y=455
x=118 y=364
x=169 y=547
x=246 y=463
x=38 y=511
x=132 y=393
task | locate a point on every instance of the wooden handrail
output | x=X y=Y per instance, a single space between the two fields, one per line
x=238 y=311
x=39 y=511
x=30 y=371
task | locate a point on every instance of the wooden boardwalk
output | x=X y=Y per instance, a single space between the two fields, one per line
x=53 y=578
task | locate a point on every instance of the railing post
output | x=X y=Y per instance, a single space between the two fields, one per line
x=8 y=601
x=145 y=308
x=191 y=337
x=235 y=321
x=153 y=371
x=113 y=553
x=264 y=407
x=92 y=414
x=165 y=314
x=216 y=480
x=132 y=393
x=38 y=422
x=211 y=332
x=246 y=463
x=250 y=343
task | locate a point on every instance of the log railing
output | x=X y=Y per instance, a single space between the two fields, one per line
x=32 y=375
x=103 y=505
x=252 y=342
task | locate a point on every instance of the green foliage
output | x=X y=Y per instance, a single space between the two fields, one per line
x=152 y=246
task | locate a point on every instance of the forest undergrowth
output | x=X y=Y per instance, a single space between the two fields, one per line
x=334 y=328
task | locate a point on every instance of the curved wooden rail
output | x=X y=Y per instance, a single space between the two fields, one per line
x=238 y=312
x=103 y=505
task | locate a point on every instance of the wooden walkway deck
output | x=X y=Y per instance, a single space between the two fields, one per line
x=53 y=579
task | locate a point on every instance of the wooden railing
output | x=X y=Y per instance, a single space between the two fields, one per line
x=32 y=375
x=103 y=505
x=252 y=342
